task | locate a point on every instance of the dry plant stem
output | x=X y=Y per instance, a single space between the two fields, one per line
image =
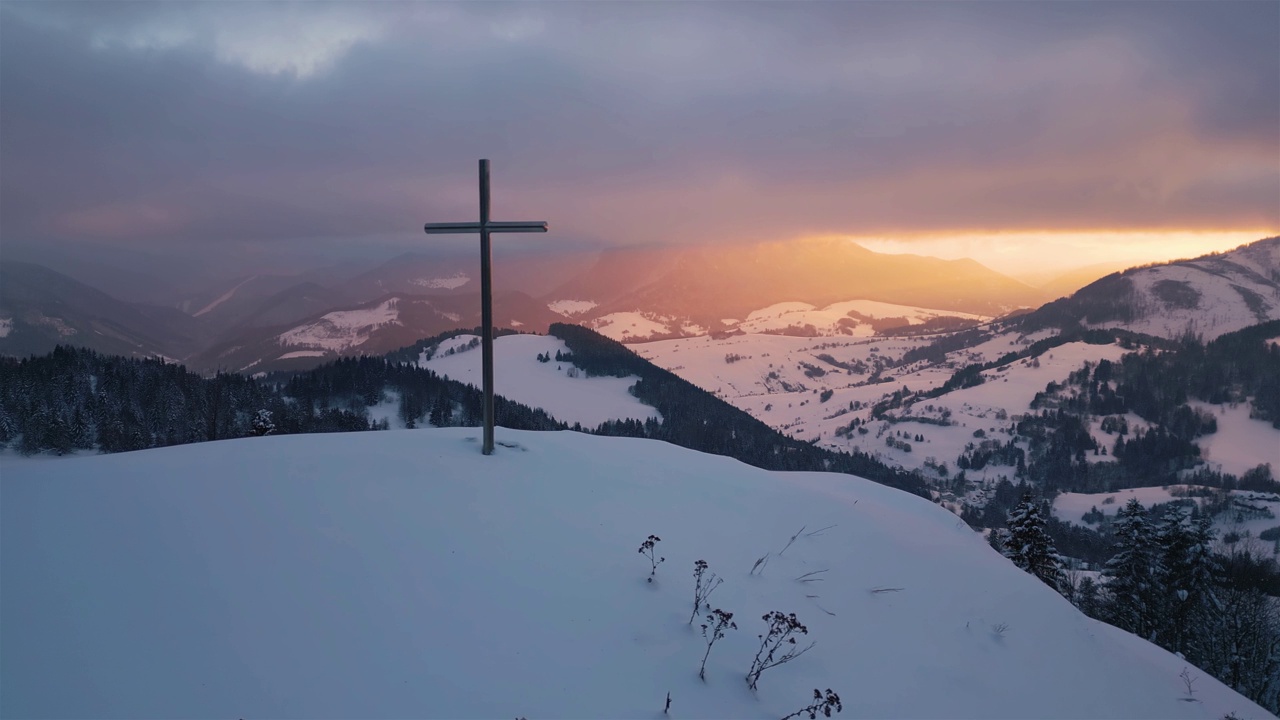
x=759 y=564
x=793 y=539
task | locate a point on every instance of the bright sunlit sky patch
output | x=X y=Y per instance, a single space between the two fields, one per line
x=1042 y=253
x=1013 y=130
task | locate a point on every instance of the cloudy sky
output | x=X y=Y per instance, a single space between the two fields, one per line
x=1030 y=131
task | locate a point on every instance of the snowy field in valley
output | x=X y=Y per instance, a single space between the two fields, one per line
x=569 y=308
x=1241 y=442
x=835 y=318
x=402 y=574
x=627 y=326
x=850 y=318
x=565 y=392
x=1250 y=512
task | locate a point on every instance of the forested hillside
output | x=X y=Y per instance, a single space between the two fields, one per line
x=74 y=399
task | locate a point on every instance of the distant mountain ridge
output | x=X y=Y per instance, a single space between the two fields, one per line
x=1205 y=296
x=40 y=309
x=377 y=327
x=706 y=285
x=629 y=294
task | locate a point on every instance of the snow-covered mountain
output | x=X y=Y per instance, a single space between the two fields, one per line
x=813 y=387
x=402 y=574
x=374 y=328
x=1206 y=296
x=639 y=294
x=41 y=308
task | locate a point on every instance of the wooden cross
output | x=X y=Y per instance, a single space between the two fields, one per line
x=485 y=227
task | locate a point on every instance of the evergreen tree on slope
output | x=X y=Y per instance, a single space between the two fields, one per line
x=1185 y=577
x=1030 y=547
x=1131 y=574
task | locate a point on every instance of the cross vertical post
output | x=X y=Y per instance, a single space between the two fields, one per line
x=485 y=227
x=486 y=308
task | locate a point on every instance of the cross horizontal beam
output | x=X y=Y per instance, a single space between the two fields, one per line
x=493 y=227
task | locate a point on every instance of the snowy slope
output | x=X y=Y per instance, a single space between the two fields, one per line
x=1206 y=296
x=781 y=380
x=1241 y=442
x=856 y=318
x=637 y=325
x=402 y=574
x=556 y=387
x=836 y=318
x=224 y=297
x=569 y=308
x=342 y=329
x=1228 y=300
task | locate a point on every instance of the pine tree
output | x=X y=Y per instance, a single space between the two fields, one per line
x=262 y=423
x=1185 y=578
x=1030 y=547
x=1087 y=598
x=1131 y=573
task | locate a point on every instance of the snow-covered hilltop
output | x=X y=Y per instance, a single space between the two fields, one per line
x=1205 y=296
x=402 y=574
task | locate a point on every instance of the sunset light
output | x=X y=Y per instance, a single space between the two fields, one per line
x=1036 y=254
x=440 y=358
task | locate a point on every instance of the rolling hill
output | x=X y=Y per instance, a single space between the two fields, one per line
x=1203 y=297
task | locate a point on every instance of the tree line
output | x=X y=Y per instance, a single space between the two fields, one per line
x=76 y=399
x=1166 y=582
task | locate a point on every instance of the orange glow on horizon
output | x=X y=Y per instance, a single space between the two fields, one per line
x=1026 y=253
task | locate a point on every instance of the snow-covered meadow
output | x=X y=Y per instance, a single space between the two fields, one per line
x=559 y=388
x=782 y=381
x=402 y=574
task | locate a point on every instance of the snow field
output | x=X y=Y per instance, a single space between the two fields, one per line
x=341 y=329
x=1072 y=507
x=746 y=383
x=1241 y=443
x=566 y=393
x=569 y=308
x=402 y=574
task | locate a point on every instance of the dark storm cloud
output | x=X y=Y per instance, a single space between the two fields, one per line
x=635 y=122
